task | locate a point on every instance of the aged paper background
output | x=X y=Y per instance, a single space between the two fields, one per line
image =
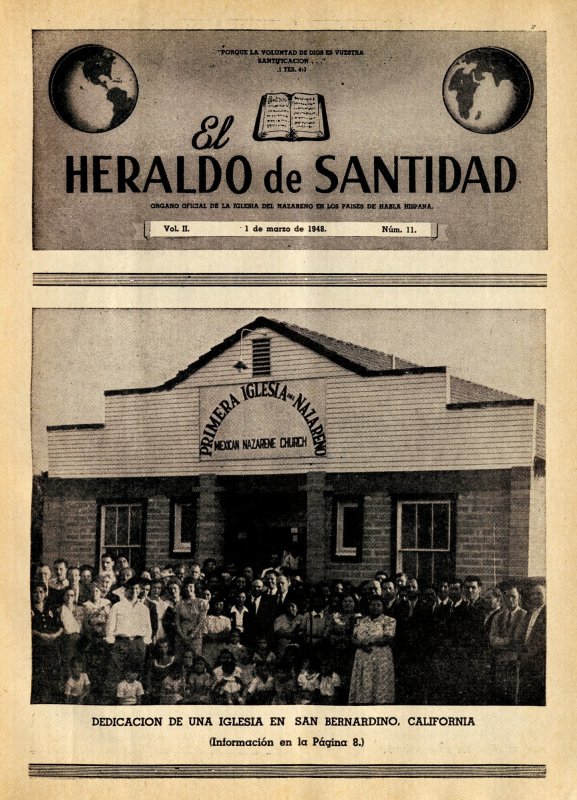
x=62 y=735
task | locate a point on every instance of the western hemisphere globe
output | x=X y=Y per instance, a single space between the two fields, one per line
x=93 y=88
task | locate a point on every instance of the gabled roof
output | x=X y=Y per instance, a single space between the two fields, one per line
x=463 y=391
x=356 y=355
x=360 y=360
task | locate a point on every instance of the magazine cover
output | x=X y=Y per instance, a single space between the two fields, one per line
x=287 y=413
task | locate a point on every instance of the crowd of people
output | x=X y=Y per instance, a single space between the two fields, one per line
x=204 y=634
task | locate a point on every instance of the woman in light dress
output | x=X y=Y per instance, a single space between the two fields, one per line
x=340 y=636
x=190 y=618
x=217 y=629
x=287 y=627
x=373 y=676
x=96 y=611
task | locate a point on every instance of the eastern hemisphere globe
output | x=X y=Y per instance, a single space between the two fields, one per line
x=93 y=89
x=488 y=90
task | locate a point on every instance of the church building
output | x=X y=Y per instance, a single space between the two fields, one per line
x=281 y=440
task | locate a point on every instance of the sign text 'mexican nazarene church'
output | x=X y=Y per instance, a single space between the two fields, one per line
x=276 y=433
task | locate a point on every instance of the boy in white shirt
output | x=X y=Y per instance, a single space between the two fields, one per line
x=77 y=686
x=129 y=691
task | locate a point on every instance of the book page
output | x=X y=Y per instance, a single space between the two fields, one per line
x=276 y=114
x=305 y=116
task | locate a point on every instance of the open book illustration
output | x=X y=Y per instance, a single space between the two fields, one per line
x=291 y=117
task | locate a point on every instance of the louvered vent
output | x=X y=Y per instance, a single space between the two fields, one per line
x=261 y=356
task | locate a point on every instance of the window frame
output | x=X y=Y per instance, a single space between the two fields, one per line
x=396 y=531
x=174 y=503
x=101 y=547
x=338 y=554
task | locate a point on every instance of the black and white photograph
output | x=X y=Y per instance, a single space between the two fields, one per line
x=305 y=507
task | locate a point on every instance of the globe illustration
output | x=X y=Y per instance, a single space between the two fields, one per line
x=93 y=89
x=488 y=90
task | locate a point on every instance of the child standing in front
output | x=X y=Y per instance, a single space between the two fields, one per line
x=158 y=670
x=199 y=683
x=228 y=687
x=308 y=681
x=329 y=684
x=77 y=687
x=261 y=688
x=129 y=691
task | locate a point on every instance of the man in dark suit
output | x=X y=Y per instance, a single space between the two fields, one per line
x=412 y=647
x=442 y=610
x=441 y=685
x=504 y=638
x=451 y=680
x=262 y=608
x=533 y=636
x=471 y=646
x=285 y=593
x=390 y=598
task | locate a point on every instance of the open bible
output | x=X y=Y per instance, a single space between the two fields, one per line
x=291 y=117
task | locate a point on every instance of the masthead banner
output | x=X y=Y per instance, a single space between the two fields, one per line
x=430 y=140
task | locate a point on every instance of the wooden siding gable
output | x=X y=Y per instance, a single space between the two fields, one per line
x=393 y=422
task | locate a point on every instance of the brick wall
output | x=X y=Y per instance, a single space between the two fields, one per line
x=317 y=542
x=537 y=519
x=70 y=521
x=492 y=525
x=157 y=527
x=519 y=521
x=490 y=505
x=69 y=528
x=376 y=546
x=210 y=527
x=483 y=533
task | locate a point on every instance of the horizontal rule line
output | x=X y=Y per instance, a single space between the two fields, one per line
x=287 y=771
x=369 y=279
